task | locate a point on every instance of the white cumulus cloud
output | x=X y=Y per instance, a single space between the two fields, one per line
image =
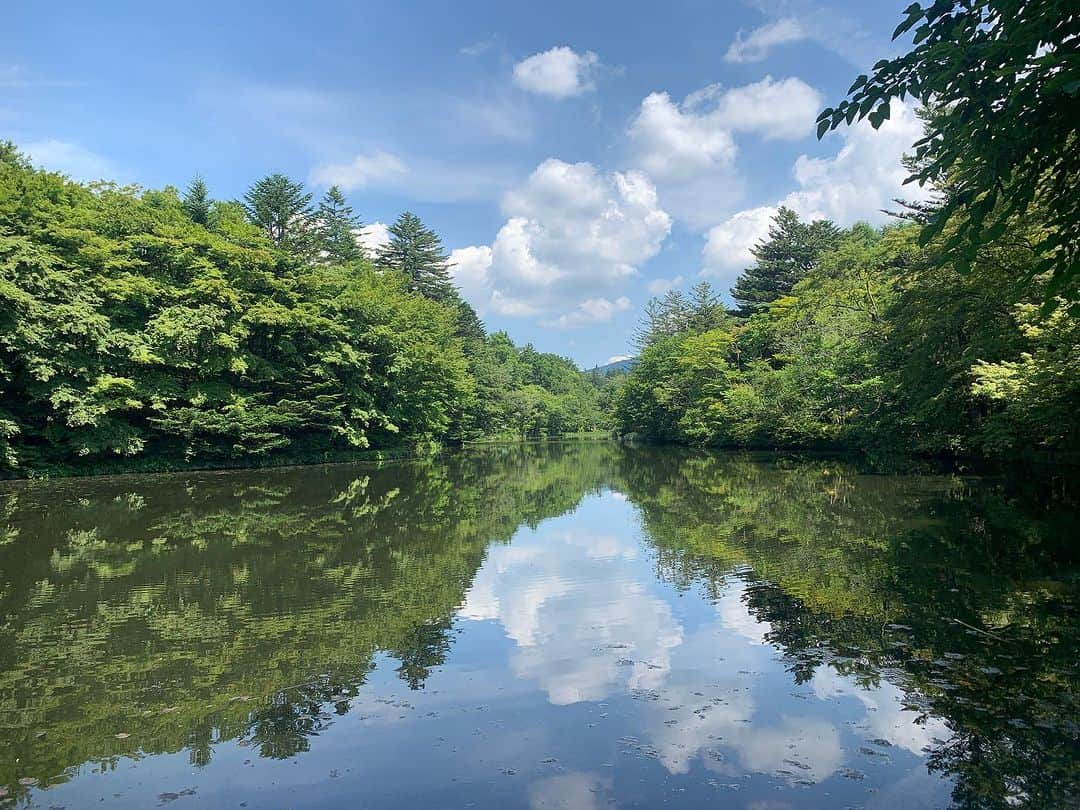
x=689 y=148
x=557 y=73
x=855 y=184
x=372 y=237
x=727 y=246
x=470 y=269
x=755 y=45
x=674 y=140
x=573 y=236
x=784 y=109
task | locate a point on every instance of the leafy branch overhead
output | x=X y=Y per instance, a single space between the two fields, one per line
x=1001 y=82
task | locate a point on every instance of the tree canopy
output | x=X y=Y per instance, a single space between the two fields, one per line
x=877 y=345
x=142 y=329
x=1002 y=81
x=337 y=226
x=789 y=253
x=197 y=203
x=282 y=208
x=416 y=250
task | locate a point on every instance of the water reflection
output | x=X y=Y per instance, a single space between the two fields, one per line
x=580 y=614
x=562 y=625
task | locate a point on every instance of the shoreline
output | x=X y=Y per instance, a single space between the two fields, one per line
x=878 y=460
x=386 y=455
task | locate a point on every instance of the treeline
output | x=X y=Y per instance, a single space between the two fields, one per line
x=154 y=328
x=956 y=330
x=861 y=337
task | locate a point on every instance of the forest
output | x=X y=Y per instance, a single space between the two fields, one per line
x=157 y=328
x=952 y=331
x=151 y=329
x=862 y=338
x=146 y=329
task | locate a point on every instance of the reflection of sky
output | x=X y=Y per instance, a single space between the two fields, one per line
x=569 y=791
x=579 y=599
x=577 y=679
x=582 y=619
x=885 y=716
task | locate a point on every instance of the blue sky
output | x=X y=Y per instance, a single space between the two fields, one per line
x=577 y=158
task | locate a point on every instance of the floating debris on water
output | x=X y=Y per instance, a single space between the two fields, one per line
x=169 y=796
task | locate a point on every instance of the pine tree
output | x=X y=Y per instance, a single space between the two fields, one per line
x=646 y=330
x=706 y=311
x=336 y=227
x=283 y=210
x=196 y=202
x=417 y=252
x=790 y=252
x=469 y=326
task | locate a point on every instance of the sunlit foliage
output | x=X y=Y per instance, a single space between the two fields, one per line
x=159 y=329
x=878 y=344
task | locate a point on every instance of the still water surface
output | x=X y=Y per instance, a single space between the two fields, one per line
x=574 y=625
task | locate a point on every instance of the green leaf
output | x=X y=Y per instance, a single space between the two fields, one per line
x=931 y=230
x=859 y=82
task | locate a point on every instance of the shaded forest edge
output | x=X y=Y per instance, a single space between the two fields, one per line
x=955 y=330
x=862 y=339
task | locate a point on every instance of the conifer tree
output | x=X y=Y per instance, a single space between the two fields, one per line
x=282 y=209
x=417 y=251
x=706 y=311
x=469 y=326
x=790 y=252
x=337 y=226
x=196 y=202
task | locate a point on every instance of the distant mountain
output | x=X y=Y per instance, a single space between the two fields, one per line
x=616 y=367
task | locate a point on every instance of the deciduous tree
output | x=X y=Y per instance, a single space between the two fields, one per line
x=1002 y=78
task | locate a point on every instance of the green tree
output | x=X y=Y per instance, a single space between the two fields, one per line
x=706 y=311
x=416 y=250
x=1003 y=80
x=470 y=327
x=129 y=331
x=677 y=312
x=790 y=252
x=1037 y=393
x=336 y=227
x=282 y=208
x=196 y=202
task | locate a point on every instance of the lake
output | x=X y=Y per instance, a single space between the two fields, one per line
x=561 y=625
